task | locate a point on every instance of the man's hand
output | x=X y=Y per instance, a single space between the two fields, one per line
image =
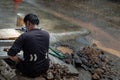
x=6 y=49
x=15 y=58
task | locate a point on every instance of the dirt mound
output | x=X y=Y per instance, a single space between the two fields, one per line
x=93 y=60
x=59 y=72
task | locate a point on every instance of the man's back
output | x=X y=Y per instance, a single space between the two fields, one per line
x=35 y=42
x=35 y=48
x=35 y=45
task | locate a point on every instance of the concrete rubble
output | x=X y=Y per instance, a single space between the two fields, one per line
x=6 y=72
x=55 y=72
x=89 y=58
x=59 y=72
x=93 y=60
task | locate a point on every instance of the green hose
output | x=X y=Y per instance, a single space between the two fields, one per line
x=55 y=53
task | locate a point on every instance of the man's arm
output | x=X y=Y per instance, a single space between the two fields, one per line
x=16 y=47
x=15 y=58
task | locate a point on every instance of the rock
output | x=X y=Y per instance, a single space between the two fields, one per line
x=50 y=75
x=95 y=61
x=77 y=60
x=40 y=78
x=84 y=75
x=98 y=71
x=104 y=58
x=1 y=77
x=72 y=78
x=6 y=71
x=84 y=60
x=84 y=67
x=95 y=76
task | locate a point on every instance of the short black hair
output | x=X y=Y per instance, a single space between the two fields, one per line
x=32 y=18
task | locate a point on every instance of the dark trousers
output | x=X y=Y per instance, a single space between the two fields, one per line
x=27 y=72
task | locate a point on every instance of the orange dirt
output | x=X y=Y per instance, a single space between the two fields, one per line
x=65 y=50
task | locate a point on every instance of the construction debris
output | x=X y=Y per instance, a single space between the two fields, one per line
x=93 y=60
x=59 y=72
x=6 y=72
x=89 y=58
x=71 y=69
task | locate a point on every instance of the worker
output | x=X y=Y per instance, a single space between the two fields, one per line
x=35 y=45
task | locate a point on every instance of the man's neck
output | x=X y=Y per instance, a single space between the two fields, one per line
x=34 y=27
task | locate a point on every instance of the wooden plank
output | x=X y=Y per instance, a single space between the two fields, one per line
x=8 y=34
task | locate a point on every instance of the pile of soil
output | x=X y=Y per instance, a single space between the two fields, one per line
x=96 y=62
x=93 y=60
x=59 y=72
x=55 y=72
x=89 y=58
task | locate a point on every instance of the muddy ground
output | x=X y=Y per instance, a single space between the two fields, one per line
x=100 y=17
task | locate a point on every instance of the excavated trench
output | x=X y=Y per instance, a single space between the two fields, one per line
x=70 y=27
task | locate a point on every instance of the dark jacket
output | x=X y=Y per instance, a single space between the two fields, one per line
x=35 y=45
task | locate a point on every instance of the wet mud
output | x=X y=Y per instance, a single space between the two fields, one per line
x=48 y=21
x=83 y=55
x=76 y=23
x=90 y=15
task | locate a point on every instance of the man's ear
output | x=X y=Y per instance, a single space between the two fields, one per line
x=28 y=23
